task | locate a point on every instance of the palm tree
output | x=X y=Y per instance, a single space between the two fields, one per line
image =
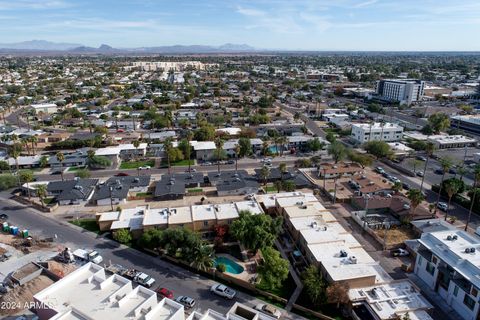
x=265 y=149
x=136 y=144
x=218 y=151
x=189 y=149
x=429 y=149
x=283 y=140
x=27 y=177
x=282 y=167
x=60 y=157
x=25 y=143
x=42 y=193
x=264 y=174
x=452 y=187
x=33 y=140
x=476 y=173
x=15 y=152
x=446 y=164
x=167 y=147
x=416 y=197
x=237 y=155
x=203 y=258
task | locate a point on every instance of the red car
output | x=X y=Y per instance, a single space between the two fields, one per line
x=121 y=174
x=120 y=130
x=164 y=292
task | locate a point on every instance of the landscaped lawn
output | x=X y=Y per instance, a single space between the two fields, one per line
x=73 y=169
x=178 y=163
x=284 y=292
x=270 y=188
x=136 y=164
x=195 y=190
x=143 y=194
x=47 y=201
x=87 y=224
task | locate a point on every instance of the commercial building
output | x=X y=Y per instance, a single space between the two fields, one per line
x=365 y=132
x=469 y=123
x=454 y=141
x=404 y=91
x=46 y=108
x=448 y=262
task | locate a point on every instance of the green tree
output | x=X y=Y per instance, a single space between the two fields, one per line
x=14 y=152
x=43 y=162
x=416 y=197
x=337 y=150
x=452 y=187
x=136 y=144
x=315 y=285
x=245 y=147
x=314 y=145
x=397 y=187
x=4 y=165
x=98 y=162
x=202 y=257
x=206 y=132
x=60 y=157
x=42 y=193
x=274 y=269
x=445 y=163
x=473 y=193
x=289 y=185
x=219 y=152
x=364 y=160
x=379 y=149
x=167 y=147
x=439 y=122
x=255 y=231
x=123 y=236
x=26 y=176
x=264 y=174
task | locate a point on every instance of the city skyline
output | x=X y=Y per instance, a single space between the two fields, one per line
x=369 y=25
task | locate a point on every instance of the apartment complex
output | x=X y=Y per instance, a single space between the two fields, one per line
x=448 y=262
x=365 y=132
x=469 y=123
x=404 y=91
x=91 y=292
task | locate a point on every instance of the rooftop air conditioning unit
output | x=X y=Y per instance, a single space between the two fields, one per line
x=467 y=250
x=449 y=238
x=353 y=260
x=343 y=254
x=455 y=237
x=472 y=250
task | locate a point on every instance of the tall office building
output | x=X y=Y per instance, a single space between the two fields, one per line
x=398 y=90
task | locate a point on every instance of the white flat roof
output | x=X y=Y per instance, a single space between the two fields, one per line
x=203 y=212
x=249 y=205
x=305 y=210
x=332 y=233
x=89 y=293
x=345 y=272
x=115 y=150
x=180 y=215
x=226 y=211
x=446 y=139
x=378 y=126
x=295 y=201
x=394 y=298
x=308 y=222
x=130 y=218
x=203 y=145
x=156 y=217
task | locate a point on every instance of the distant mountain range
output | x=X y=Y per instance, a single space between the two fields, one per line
x=47 y=46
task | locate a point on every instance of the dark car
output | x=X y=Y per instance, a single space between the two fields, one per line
x=56 y=172
x=3 y=217
x=121 y=174
x=405 y=186
x=231 y=162
x=452 y=171
x=438 y=171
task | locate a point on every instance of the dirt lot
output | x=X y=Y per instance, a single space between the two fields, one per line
x=19 y=298
x=60 y=269
x=396 y=235
x=24 y=245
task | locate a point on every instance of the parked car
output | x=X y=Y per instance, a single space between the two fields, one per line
x=419 y=173
x=56 y=172
x=442 y=206
x=421 y=158
x=120 y=130
x=231 y=162
x=144 y=168
x=386 y=174
x=269 y=310
x=438 y=171
x=206 y=163
x=164 y=292
x=223 y=291
x=191 y=170
x=406 y=186
x=399 y=252
x=379 y=170
x=122 y=174
x=452 y=171
x=186 y=301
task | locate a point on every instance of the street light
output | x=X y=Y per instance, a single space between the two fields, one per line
x=111 y=199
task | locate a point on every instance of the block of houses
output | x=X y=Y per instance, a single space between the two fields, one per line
x=117 y=189
x=233 y=182
x=76 y=191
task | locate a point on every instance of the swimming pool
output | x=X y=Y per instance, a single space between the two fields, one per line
x=232 y=266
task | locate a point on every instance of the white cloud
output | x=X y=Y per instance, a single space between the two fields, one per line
x=33 y=4
x=250 y=12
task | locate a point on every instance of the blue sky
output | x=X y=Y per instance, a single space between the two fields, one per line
x=269 y=24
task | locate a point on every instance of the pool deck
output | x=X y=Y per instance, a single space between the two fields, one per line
x=249 y=268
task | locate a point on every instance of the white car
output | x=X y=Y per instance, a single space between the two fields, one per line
x=144 y=168
x=223 y=291
x=186 y=301
x=442 y=206
x=269 y=310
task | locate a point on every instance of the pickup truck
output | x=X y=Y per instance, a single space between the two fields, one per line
x=139 y=277
x=88 y=256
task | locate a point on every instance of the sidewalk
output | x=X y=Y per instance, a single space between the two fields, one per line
x=296 y=278
x=434 y=298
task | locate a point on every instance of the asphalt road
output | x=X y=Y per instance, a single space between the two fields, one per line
x=242 y=165
x=181 y=281
x=309 y=123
